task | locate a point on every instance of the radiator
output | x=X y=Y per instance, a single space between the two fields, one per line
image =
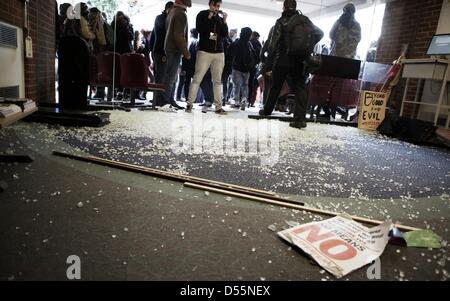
x=12 y=70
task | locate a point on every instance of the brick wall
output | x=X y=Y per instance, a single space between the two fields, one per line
x=40 y=70
x=407 y=21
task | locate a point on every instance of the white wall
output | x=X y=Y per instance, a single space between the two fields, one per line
x=12 y=65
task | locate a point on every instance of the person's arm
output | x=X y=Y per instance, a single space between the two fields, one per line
x=130 y=32
x=85 y=31
x=273 y=44
x=358 y=32
x=223 y=28
x=232 y=49
x=257 y=51
x=152 y=40
x=333 y=30
x=101 y=35
x=179 y=25
x=202 y=23
x=265 y=46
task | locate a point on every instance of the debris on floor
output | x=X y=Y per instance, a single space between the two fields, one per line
x=396 y=237
x=340 y=245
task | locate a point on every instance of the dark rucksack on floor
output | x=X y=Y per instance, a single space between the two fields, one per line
x=303 y=35
x=407 y=129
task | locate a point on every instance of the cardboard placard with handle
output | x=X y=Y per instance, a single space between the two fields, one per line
x=373 y=109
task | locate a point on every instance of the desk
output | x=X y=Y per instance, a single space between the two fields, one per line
x=431 y=69
x=4 y=122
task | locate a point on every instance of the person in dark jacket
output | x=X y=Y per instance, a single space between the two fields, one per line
x=267 y=79
x=123 y=41
x=145 y=46
x=175 y=47
x=144 y=49
x=157 y=49
x=283 y=67
x=188 y=66
x=212 y=27
x=244 y=58
x=252 y=81
x=124 y=33
x=60 y=21
x=227 y=69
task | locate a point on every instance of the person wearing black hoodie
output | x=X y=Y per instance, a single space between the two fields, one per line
x=253 y=81
x=124 y=33
x=244 y=58
x=282 y=66
x=212 y=26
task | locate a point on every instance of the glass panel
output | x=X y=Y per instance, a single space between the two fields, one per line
x=136 y=20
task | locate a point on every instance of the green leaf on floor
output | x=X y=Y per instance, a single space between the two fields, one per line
x=422 y=239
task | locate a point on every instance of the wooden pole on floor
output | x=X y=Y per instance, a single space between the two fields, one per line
x=291 y=205
x=174 y=176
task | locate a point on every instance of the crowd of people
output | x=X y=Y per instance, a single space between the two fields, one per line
x=218 y=66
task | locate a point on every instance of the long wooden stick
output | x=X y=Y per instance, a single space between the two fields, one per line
x=174 y=176
x=291 y=205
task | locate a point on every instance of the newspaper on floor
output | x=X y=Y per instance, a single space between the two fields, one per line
x=340 y=245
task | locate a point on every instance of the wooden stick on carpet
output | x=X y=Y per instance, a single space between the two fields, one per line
x=291 y=205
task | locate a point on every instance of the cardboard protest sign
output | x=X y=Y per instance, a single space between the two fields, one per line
x=372 y=110
x=340 y=245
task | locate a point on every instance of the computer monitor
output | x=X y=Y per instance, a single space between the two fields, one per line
x=439 y=45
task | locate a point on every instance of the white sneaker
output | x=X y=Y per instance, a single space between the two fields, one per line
x=167 y=108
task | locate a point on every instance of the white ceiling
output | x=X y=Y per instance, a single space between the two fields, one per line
x=311 y=8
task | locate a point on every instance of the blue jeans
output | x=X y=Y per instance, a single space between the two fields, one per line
x=240 y=81
x=173 y=62
x=160 y=72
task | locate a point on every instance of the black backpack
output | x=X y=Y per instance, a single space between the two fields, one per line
x=302 y=36
x=249 y=59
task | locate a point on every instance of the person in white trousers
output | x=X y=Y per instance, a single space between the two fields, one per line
x=212 y=27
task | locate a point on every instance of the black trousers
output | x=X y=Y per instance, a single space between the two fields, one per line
x=251 y=85
x=181 y=85
x=297 y=85
x=207 y=87
x=225 y=80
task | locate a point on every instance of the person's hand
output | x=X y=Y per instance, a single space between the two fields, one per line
x=225 y=16
x=187 y=54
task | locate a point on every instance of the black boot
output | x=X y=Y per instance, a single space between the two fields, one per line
x=298 y=124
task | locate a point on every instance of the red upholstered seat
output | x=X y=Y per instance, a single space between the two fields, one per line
x=325 y=90
x=108 y=68
x=93 y=71
x=135 y=73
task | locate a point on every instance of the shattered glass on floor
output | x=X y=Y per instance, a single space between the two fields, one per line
x=322 y=160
